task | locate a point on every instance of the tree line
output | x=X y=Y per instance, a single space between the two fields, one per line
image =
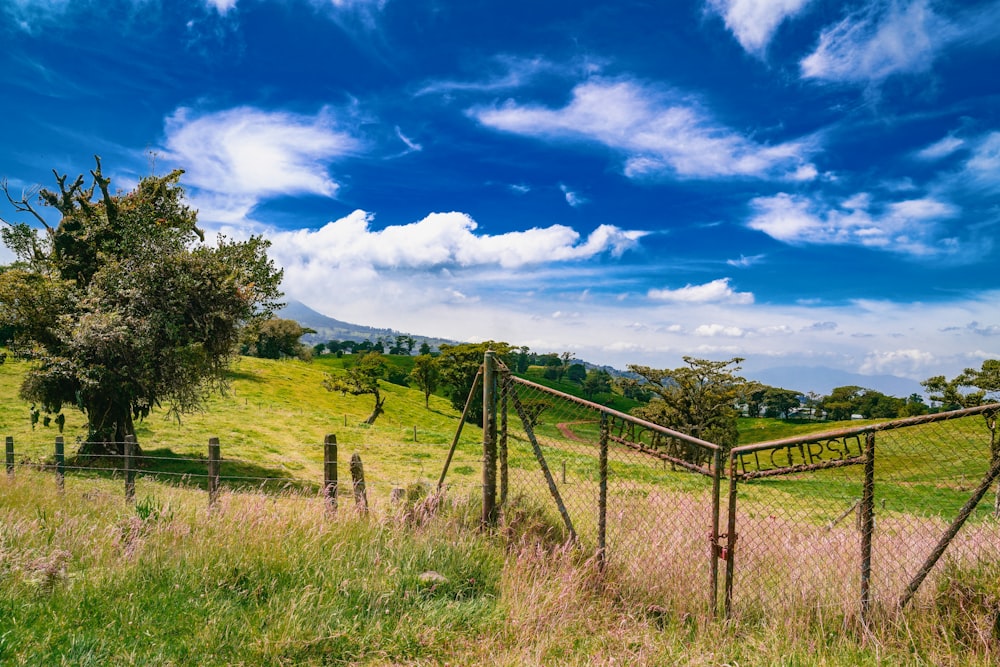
x=121 y=306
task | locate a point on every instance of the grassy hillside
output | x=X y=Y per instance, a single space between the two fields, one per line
x=274 y=579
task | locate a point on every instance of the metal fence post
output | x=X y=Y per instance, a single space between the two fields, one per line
x=10 y=456
x=729 y=555
x=214 y=459
x=867 y=525
x=129 y=468
x=714 y=551
x=602 y=501
x=330 y=471
x=60 y=463
x=489 y=516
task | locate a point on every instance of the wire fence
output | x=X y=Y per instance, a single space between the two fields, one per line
x=858 y=520
x=854 y=521
x=307 y=470
x=639 y=497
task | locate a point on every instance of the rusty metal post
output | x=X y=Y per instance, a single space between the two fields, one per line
x=330 y=471
x=602 y=502
x=714 y=555
x=867 y=525
x=489 y=516
x=503 y=442
x=729 y=555
x=458 y=431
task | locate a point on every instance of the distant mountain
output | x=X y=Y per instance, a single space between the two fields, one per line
x=823 y=380
x=328 y=328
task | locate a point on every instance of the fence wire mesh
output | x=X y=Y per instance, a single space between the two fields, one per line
x=807 y=534
x=659 y=511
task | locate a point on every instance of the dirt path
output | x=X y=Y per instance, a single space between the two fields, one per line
x=564 y=428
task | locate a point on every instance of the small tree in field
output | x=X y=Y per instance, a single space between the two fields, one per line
x=361 y=379
x=426 y=375
x=121 y=306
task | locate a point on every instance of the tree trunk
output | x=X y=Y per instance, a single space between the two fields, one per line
x=106 y=434
x=379 y=402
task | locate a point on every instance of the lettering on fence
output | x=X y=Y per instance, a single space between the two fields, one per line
x=800 y=457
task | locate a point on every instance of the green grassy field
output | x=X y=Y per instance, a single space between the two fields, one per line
x=276 y=579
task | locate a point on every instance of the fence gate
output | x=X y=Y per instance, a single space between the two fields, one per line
x=642 y=499
x=856 y=519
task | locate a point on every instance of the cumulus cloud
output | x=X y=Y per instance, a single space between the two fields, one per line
x=909 y=362
x=712 y=330
x=717 y=291
x=893 y=37
x=908 y=227
x=442 y=240
x=658 y=133
x=754 y=22
x=237 y=156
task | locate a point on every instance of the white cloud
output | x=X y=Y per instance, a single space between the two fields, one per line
x=572 y=198
x=441 y=240
x=983 y=167
x=908 y=227
x=907 y=363
x=940 y=149
x=885 y=38
x=658 y=133
x=712 y=330
x=221 y=6
x=241 y=155
x=754 y=22
x=717 y=291
x=744 y=261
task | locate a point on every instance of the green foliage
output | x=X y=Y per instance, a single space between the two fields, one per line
x=426 y=375
x=121 y=308
x=597 y=381
x=361 y=379
x=969 y=388
x=458 y=366
x=698 y=399
x=277 y=338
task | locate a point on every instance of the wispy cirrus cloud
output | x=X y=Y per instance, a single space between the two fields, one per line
x=906 y=227
x=890 y=37
x=754 y=22
x=717 y=291
x=236 y=157
x=658 y=133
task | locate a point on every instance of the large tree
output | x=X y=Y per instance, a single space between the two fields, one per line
x=698 y=399
x=121 y=306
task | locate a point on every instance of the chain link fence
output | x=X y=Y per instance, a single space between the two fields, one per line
x=639 y=498
x=857 y=520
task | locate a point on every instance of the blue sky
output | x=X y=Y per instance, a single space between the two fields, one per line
x=798 y=182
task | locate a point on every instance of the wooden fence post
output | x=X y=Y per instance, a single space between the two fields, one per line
x=358 y=479
x=10 y=456
x=60 y=463
x=214 y=457
x=330 y=471
x=129 y=468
